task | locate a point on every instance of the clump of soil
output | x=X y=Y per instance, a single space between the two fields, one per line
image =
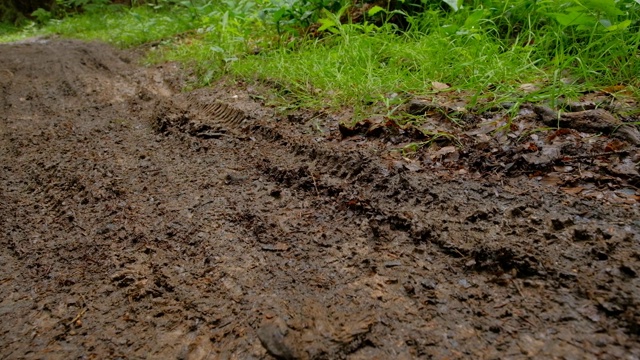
x=138 y=221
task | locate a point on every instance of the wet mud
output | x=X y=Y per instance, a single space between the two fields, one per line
x=139 y=221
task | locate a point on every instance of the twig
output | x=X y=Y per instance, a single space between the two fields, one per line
x=48 y=269
x=78 y=316
x=202 y=204
x=515 y=284
x=314 y=183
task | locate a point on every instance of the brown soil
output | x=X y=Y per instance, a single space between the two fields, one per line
x=141 y=222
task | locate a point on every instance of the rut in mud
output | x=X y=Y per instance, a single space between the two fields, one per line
x=138 y=221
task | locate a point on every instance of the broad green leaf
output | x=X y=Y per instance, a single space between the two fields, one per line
x=474 y=19
x=605 y=22
x=307 y=14
x=604 y=6
x=450 y=29
x=453 y=3
x=619 y=26
x=278 y=15
x=326 y=24
x=574 y=18
x=376 y=9
x=225 y=19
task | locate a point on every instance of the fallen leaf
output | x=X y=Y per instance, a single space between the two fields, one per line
x=412 y=165
x=561 y=132
x=551 y=179
x=587 y=175
x=628 y=194
x=590 y=312
x=452 y=157
x=614 y=145
x=547 y=155
x=614 y=89
x=626 y=191
x=528 y=88
x=444 y=151
x=483 y=129
x=439 y=86
x=573 y=190
x=627 y=167
x=563 y=168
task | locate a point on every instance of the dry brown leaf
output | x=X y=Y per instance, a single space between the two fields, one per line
x=614 y=145
x=563 y=169
x=552 y=179
x=444 y=151
x=412 y=165
x=573 y=190
x=439 y=86
x=529 y=88
x=531 y=147
x=614 y=89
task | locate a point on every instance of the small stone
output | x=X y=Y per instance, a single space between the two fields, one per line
x=390 y=264
x=464 y=283
x=419 y=107
x=409 y=288
x=428 y=284
x=232 y=178
x=272 y=335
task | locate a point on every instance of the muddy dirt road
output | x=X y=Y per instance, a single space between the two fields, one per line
x=140 y=222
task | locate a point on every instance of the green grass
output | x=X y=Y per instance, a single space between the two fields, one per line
x=360 y=64
x=10 y=33
x=486 y=54
x=118 y=25
x=124 y=27
x=366 y=67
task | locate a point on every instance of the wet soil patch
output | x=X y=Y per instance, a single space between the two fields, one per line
x=140 y=221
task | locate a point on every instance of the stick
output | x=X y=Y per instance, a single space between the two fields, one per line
x=314 y=183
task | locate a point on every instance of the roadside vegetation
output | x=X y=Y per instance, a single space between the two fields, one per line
x=336 y=53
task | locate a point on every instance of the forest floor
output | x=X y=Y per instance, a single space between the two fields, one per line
x=140 y=221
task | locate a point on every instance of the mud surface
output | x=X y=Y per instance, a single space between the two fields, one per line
x=140 y=222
